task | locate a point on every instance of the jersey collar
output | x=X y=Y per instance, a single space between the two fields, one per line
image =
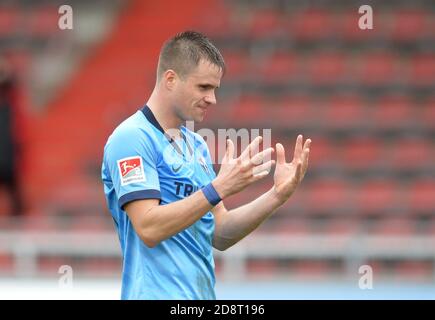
x=152 y=119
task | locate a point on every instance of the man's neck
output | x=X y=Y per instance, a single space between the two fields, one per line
x=164 y=116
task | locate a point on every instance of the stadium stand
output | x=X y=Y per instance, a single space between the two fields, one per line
x=366 y=98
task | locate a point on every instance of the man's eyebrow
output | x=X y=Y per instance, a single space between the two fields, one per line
x=208 y=85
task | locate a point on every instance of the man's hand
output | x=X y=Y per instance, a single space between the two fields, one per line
x=288 y=175
x=236 y=174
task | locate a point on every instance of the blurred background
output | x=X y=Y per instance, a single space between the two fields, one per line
x=365 y=97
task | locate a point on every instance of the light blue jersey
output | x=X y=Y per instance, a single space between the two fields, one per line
x=142 y=162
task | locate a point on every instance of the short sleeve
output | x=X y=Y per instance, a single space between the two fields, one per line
x=131 y=159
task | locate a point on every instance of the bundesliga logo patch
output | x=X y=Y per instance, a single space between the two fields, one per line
x=131 y=170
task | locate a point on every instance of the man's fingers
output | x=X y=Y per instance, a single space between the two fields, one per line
x=254 y=149
x=298 y=148
x=298 y=173
x=305 y=157
x=307 y=143
x=262 y=171
x=260 y=157
x=306 y=151
x=252 y=146
x=230 y=150
x=280 y=153
x=263 y=168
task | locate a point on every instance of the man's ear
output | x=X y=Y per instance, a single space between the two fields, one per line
x=170 y=78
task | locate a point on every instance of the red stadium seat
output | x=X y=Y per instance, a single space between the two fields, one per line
x=80 y=194
x=412 y=153
x=310 y=269
x=323 y=153
x=100 y=267
x=50 y=265
x=263 y=267
x=265 y=23
x=378 y=196
x=280 y=67
x=430 y=227
x=217 y=28
x=250 y=109
x=40 y=223
x=328 y=67
x=414 y=270
x=292 y=110
x=410 y=24
x=9 y=21
x=291 y=227
x=344 y=112
x=311 y=24
x=90 y=222
x=237 y=65
x=393 y=227
x=249 y=194
x=377 y=68
x=342 y=226
x=427 y=113
x=362 y=152
x=393 y=111
x=298 y=205
x=348 y=26
x=421 y=196
x=7 y=263
x=43 y=21
x=423 y=69
x=327 y=196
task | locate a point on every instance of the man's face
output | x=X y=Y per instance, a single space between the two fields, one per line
x=196 y=92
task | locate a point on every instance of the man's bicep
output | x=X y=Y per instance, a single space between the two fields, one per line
x=137 y=211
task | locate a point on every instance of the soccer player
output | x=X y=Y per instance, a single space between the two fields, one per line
x=164 y=197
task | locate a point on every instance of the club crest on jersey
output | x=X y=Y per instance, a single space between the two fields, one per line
x=131 y=170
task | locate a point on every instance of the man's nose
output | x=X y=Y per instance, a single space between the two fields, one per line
x=210 y=98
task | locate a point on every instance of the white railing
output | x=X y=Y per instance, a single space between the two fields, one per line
x=355 y=250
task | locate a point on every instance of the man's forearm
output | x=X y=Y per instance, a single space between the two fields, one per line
x=162 y=222
x=238 y=223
